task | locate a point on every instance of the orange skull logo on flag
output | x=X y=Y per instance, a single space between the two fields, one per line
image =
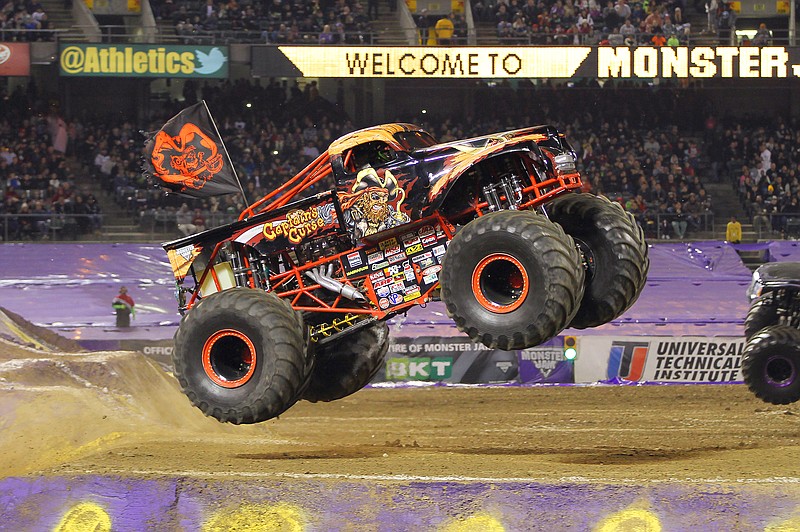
x=190 y=159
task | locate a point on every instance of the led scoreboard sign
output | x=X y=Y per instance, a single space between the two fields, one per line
x=688 y=62
x=696 y=62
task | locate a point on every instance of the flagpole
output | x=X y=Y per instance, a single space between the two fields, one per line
x=233 y=168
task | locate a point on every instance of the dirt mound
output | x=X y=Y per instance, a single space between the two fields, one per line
x=55 y=407
x=17 y=329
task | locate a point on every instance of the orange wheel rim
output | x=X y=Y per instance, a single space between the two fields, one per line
x=229 y=358
x=500 y=283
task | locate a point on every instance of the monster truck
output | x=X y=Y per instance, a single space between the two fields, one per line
x=290 y=301
x=771 y=357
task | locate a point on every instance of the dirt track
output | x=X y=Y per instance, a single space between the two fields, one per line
x=120 y=413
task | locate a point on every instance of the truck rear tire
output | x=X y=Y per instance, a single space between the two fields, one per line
x=763 y=312
x=511 y=279
x=771 y=364
x=614 y=249
x=241 y=356
x=345 y=366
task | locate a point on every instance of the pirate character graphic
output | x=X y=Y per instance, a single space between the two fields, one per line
x=373 y=203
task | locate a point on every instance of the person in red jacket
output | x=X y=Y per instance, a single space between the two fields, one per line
x=123 y=306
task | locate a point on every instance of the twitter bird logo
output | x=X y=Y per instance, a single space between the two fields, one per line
x=210 y=62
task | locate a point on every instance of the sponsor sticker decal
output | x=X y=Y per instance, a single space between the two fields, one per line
x=354 y=259
x=393 y=250
x=412 y=296
x=426 y=230
x=416 y=248
x=386 y=244
x=432 y=270
x=430 y=279
x=421 y=257
x=426 y=263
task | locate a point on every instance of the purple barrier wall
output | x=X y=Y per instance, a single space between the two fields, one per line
x=69 y=287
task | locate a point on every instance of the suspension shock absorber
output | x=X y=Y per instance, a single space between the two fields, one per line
x=492 y=197
x=512 y=191
x=260 y=268
x=239 y=270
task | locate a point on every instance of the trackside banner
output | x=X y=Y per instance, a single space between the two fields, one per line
x=530 y=62
x=459 y=360
x=122 y=60
x=456 y=359
x=639 y=359
x=15 y=59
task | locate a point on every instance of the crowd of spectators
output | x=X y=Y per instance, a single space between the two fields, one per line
x=271 y=132
x=642 y=148
x=633 y=145
x=540 y=22
x=40 y=197
x=764 y=162
x=559 y=22
x=275 y=21
x=586 y=22
x=23 y=21
x=652 y=150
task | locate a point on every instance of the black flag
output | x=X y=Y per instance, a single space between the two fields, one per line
x=188 y=156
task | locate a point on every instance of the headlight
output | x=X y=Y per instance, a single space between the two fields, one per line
x=565 y=163
x=755 y=288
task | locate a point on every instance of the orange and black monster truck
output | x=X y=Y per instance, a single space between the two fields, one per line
x=290 y=302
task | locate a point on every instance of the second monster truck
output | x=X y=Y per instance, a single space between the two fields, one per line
x=290 y=302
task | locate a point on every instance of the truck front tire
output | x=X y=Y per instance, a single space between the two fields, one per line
x=763 y=312
x=241 y=356
x=511 y=279
x=771 y=364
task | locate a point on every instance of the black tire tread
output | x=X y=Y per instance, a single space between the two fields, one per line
x=606 y=302
x=781 y=338
x=763 y=312
x=557 y=250
x=286 y=331
x=347 y=365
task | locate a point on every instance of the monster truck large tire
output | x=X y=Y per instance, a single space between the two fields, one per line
x=511 y=279
x=614 y=249
x=241 y=356
x=763 y=312
x=344 y=366
x=771 y=364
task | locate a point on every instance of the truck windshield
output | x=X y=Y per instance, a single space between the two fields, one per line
x=414 y=140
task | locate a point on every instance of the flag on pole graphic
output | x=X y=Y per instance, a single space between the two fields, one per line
x=188 y=156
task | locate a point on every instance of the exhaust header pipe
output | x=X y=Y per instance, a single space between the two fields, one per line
x=322 y=276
